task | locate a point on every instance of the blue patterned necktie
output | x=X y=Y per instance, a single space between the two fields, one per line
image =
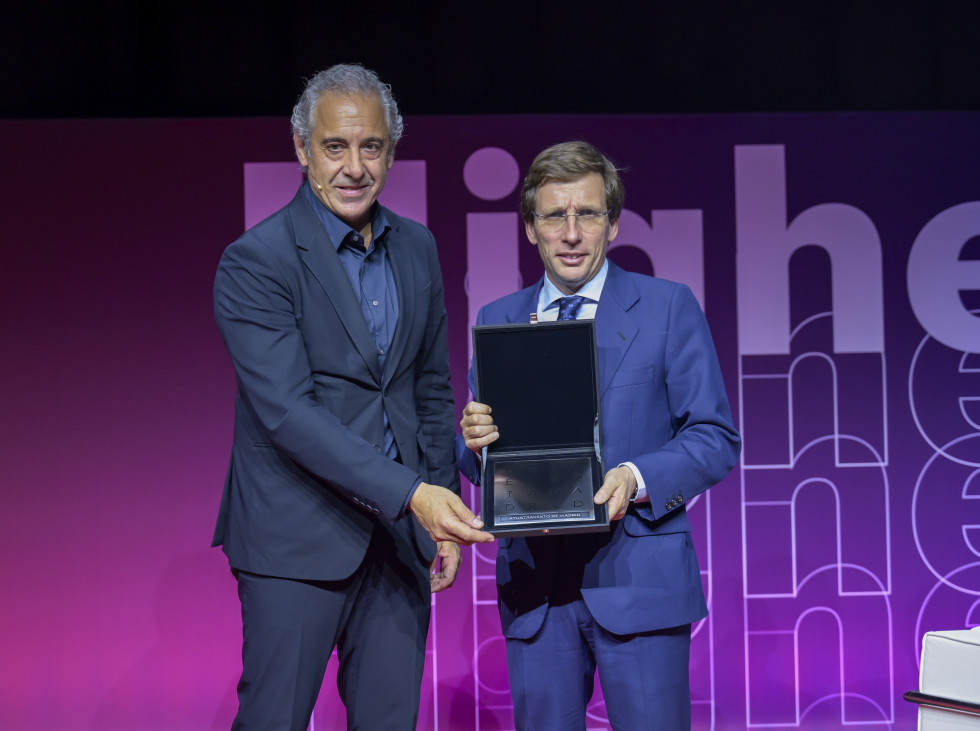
x=568 y=307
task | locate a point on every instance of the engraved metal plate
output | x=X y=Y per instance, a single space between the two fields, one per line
x=546 y=489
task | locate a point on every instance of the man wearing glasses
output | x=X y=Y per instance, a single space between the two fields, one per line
x=622 y=601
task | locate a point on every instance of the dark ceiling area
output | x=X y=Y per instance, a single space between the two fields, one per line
x=207 y=59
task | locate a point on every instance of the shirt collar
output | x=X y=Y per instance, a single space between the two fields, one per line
x=337 y=229
x=590 y=290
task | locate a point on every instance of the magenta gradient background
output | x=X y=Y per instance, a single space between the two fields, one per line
x=117 y=404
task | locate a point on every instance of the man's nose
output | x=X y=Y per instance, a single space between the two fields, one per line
x=353 y=165
x=570 y=229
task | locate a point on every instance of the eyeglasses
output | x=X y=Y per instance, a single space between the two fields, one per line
x=588 y=221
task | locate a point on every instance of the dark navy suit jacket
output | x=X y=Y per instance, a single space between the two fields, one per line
x=663 y=408
x=308 y=481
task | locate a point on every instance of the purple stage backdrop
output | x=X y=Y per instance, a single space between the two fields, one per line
x=837 y=257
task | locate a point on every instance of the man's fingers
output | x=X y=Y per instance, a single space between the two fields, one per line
x=460 y=533
x=478 y=443
x=469 y=524
x=445 y=517
x=608 y=488
x=477 y=426
x=456 y=530
x=615 y=492
x=480 y=419
x=468 y=536
x=475 y=407
x=445 y=567
x=462 y=512
x=475 y=414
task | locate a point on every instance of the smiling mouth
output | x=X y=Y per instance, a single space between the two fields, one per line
x=351 y=190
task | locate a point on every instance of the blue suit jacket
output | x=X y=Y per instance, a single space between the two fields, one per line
x=308 y=481
x=664 y=408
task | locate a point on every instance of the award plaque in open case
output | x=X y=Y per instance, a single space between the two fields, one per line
x=542 y=382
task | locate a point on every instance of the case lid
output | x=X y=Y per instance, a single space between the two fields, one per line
x=542 y=382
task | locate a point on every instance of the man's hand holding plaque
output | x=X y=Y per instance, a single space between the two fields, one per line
x=617 y=489
x=478 y=427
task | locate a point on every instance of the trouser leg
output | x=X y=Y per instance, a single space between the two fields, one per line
x=382 y=648
x=289 y=630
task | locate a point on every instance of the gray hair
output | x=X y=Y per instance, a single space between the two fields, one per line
x=350 y=78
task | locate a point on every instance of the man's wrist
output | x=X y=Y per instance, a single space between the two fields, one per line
x=407 y=505
x=639 y=492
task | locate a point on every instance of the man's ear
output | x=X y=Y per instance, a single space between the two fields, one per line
x=531 y=234
x=613 y=229
x=300 y=151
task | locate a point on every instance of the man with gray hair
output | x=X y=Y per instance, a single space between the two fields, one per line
x=340 y=514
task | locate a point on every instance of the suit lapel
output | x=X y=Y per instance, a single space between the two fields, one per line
x=526 y=305
x=403 y=265
x=615 y=328
x=320 y=256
